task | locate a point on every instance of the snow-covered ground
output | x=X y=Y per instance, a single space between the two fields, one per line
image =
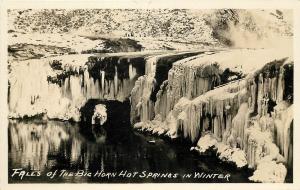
x=75 y=42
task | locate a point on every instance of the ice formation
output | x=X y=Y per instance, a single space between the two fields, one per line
x=269 y=172
x=140 y=94
x=238 y=102
x=206 y=142
x=249 y=118
x=99 y=113
x=60 y=86
x=224 y=152
x=142 y=106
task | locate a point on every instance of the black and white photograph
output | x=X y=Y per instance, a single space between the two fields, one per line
x=98 y=95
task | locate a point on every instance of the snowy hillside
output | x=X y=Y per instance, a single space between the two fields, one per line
x=201 y=26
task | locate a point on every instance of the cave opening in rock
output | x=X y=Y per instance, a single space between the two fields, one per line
x=115 y=127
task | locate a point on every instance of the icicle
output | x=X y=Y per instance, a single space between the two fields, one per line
x=130 y=72
x=260 y=95
x=102 y=78
x=280 y=87
x=140 y=95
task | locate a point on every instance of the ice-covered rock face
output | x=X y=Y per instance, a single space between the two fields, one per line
x=99 y=114
x=250 y=119
x=143 y=93
x=60 y=86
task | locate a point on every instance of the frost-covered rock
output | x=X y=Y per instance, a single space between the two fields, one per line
x=205 y=143
x=192 y=77
x=243 y=117
x=269 y=172
x=100 y=113
x=224 y=152
x=231 y=155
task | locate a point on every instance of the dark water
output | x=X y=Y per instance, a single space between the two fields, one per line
x=49 y=146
